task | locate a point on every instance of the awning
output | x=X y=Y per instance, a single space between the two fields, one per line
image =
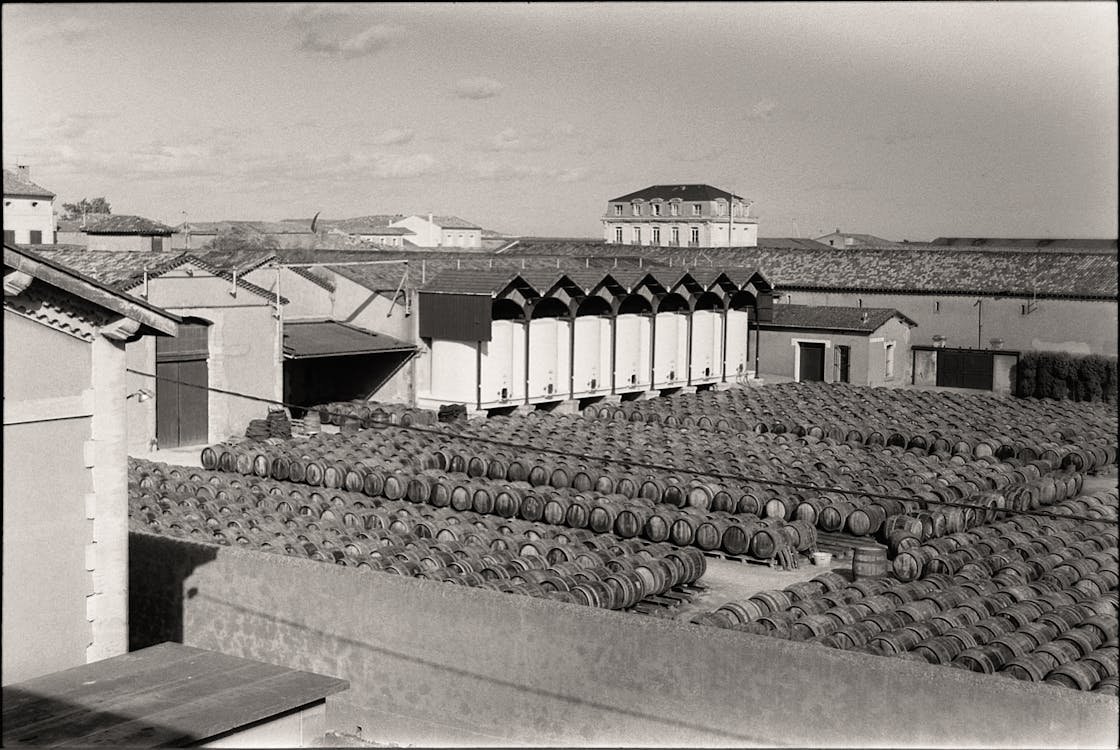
x=305 y=339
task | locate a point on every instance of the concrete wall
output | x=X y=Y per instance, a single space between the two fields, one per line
x=244 y=354
x=1003 y=371
x=437 y=664
x=48 y=408
x=127 y=242
x=24 y=215
x=306 y=299
x=1076 y=326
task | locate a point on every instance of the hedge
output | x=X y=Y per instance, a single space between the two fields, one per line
x=1076 y=377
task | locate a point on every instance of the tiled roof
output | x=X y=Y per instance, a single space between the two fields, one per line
x=376 y=278
x=1069 y=244
x=910 y=269
x=125 y=224
x=241 y=261
x=14 y=184
x=859 y=240
x=125 y=270
x=304 y=339
x=471 y=282
x=862 y=319
x=684 y=192
x=353 y=227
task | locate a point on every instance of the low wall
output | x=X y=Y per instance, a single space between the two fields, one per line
x=438 y=664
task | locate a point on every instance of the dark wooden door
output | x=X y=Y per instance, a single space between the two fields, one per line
x=812 y=362
x=182 y=401
x=844 y=358
x=964 y=369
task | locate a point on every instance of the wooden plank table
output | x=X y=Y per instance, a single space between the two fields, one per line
x=168 y=694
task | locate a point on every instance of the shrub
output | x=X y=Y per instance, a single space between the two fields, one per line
x=1057 y=375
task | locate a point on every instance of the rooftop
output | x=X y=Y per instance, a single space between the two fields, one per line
x=16 y=184
x=859 y=319
x=682 y=192
x=125 y=224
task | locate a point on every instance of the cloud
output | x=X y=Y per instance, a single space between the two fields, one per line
x=491 y=170
x=478 y=88
x=299 y=14
x=763 y=111
x=394 y=136
x=71 y=29
x=368 y=42
x=512 y=139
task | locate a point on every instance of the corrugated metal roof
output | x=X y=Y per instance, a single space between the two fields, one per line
x=305 y=339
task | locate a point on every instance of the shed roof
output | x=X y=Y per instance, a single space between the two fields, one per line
x=855 y=319
x=443 y=222
x=165 y=695
x=483 y=282
x=306 y=339
x=14 y=184
x=689 y=192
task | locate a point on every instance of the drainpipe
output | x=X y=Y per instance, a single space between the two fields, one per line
x=652 y=346
x=571 y=354
x=723 y=348
x=614 y=349
x=478 y=373
x=528 y=320
x=688 y=349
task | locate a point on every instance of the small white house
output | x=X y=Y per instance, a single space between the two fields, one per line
x=28 y=209
x=441 y=231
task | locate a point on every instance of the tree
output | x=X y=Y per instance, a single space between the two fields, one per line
x=242 y=238
x=86 y=206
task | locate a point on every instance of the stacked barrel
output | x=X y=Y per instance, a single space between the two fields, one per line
x=399 y=537
x=1039 y=606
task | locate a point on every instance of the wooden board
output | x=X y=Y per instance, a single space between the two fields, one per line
x=168 y=693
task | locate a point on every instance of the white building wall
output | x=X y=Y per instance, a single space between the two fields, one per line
x=26 y=215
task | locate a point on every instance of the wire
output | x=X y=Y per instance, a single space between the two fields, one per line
x=629 y=463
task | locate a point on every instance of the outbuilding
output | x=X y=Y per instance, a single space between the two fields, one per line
x=865 y=346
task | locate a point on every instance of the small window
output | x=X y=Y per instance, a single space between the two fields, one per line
x=657 y=235
x=697 y=209
x=9 y=235
x=694 y=235
x=637 y=235
x=721 y=209
x=618 y=209
x=890 y=361
x=674 y=209
x=618 y=235
x=859 y=302
x=36 y=237
x=157 y=243
x=937 y=308
x=675 y=235
x=655 y=209
x=637 y=209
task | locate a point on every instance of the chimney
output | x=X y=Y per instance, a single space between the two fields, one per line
x=24 y=172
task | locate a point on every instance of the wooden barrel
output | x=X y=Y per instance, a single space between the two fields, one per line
x=866 y=520
x=507 y=502
x=601 y=518
x=700 y=496
x=419 y=489
x=556 y=510
x=682 y=531
x=631 y=520
x=737 y=538
x=834 y=517
x=766 y=542
x=658 y=525
x=578 y=514
x=709 y=534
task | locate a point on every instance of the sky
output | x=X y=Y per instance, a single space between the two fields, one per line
x=902 y=120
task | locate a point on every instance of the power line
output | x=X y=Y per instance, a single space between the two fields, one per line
x=630 y=463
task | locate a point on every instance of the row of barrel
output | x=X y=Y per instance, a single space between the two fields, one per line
x=627 y=516
x=958 y=551
x=394 y=537
x=363 y=413
x=1084 y=435
x=1059 y=629
x=859 y=516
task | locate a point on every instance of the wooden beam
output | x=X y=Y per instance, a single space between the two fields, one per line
x=15 y=282
x=120 y=328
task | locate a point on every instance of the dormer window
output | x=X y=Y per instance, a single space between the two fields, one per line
x=618 y=209
x=655 y=209
x=697 y=209
x=637 y=209
x=674 y=209
x=721 y=209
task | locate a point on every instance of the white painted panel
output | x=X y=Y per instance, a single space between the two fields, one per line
x=544 y=383
x=563 y=380
x=591 y=367
x=632 y=340
x=498 y=364
x=517 y=363
x=702 y=365
x=737 y=333
x=670 y=350
x=454 y=372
